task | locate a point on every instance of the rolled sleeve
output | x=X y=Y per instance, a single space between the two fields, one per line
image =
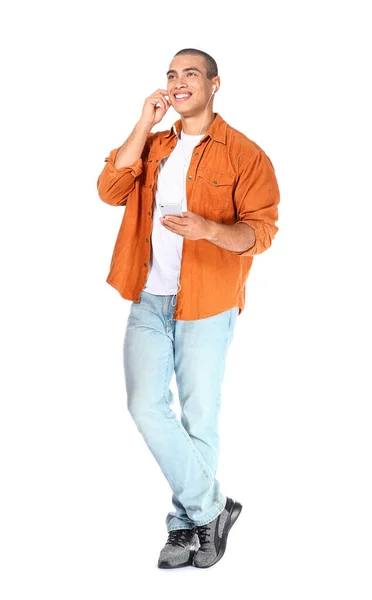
x=114 y=185
x=135 y=168
x=256 y=198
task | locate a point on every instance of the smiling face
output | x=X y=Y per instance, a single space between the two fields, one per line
x=188 y=87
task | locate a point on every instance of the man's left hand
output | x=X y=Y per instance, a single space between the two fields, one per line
x=190 y=226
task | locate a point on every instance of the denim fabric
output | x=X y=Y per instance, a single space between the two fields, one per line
x=156 y=346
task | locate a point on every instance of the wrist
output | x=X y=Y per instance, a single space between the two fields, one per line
x=210 y=230
x=143 y=126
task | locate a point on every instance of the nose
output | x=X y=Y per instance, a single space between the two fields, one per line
x=180 y=85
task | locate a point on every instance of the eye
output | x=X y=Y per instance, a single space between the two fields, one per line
x=191 y=73
x=170 y=77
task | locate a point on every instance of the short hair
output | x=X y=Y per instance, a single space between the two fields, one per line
x=211 y=64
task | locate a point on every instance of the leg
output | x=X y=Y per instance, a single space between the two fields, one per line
x=200 y=353
x=149 y=366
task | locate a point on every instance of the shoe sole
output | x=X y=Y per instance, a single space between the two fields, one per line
x=234 y=512
x=163 y=564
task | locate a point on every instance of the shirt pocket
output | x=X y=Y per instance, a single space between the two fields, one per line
x=216 y=190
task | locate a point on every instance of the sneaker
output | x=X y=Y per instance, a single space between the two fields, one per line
x=213 y=535
x=179 y=549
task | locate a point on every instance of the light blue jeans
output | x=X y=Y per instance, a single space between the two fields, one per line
x=186 y=450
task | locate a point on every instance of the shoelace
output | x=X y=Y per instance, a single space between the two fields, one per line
x=204 y=534
x=180 y=537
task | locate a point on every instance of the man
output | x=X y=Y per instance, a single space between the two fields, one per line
x=186 y=278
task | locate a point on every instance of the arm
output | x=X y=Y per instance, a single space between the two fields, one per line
x=123 y=166
x=132 y=148
x=256 y=197
x=238 y=237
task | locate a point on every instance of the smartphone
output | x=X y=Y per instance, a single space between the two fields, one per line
x=170 y=209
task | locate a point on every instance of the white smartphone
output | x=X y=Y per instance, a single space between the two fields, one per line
x=170 y=209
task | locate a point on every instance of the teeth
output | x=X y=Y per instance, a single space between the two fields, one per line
x=182 y=95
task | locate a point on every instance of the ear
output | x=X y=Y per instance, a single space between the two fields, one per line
x=216 y=84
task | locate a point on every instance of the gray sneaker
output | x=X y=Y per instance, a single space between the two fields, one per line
x=179 y=549
x=213 y=535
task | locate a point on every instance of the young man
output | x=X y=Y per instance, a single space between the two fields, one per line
x=185 y=276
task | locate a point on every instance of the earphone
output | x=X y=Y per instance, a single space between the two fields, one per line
x=213 y=90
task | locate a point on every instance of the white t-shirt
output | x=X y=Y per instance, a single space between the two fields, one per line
x=165 y=262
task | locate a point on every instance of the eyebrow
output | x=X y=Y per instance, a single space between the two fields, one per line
x=186 y=69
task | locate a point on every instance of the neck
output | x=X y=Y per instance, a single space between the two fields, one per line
x=191 y=125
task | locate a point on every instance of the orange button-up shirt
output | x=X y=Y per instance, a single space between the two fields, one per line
x=229 y=179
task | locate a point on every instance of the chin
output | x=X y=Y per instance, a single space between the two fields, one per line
x=186 y=112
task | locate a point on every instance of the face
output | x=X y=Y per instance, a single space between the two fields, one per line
x=187 y=75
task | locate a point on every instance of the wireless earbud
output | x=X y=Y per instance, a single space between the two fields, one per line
x=214 y=89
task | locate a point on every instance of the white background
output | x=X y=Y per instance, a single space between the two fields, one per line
x=83 y=502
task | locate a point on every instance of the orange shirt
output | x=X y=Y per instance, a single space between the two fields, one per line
x=230 y=179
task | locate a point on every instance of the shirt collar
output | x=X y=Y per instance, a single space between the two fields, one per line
x=217 y=129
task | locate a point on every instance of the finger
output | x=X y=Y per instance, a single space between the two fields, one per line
x=168 y=226
x=156 y=95
x=168 y=223
x=175 y=219
x=163 y=93
x=166 y=101
x=160 y=100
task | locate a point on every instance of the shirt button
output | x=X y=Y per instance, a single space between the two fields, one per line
x=145 y=264
x=196 y=154
x=215 y=181
x=149 y=213
x=172 y=147
x=190 y=176
x=150 y=186
x=156 y=160
x=147 y=239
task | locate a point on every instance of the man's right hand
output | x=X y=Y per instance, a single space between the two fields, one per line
x=152 y=114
